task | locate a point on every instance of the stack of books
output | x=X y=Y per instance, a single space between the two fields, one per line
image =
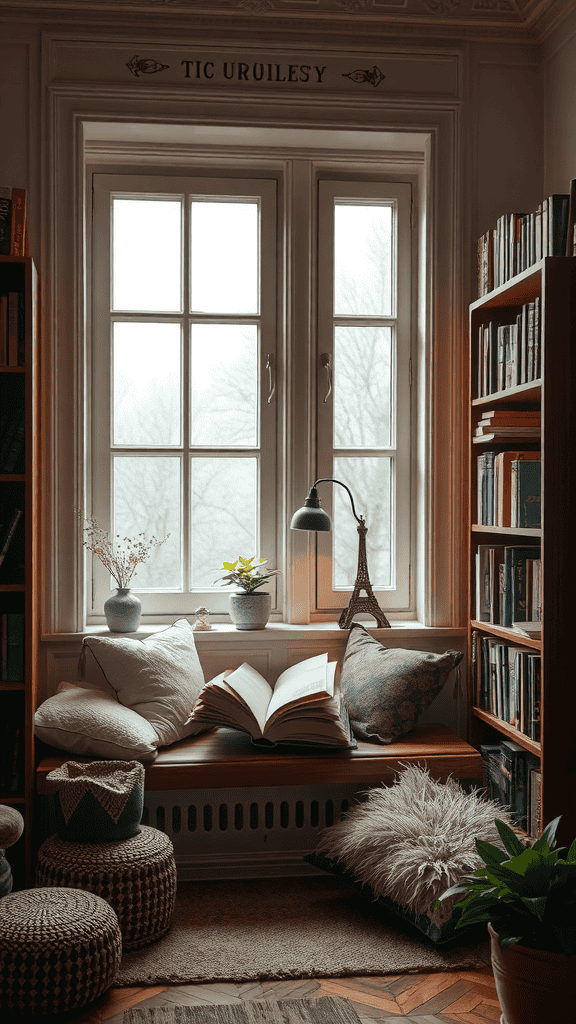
x=509 y=489
x=512 y=777
x=508 y=584
x=521 y=239
x=507 y=683
x=509 y=353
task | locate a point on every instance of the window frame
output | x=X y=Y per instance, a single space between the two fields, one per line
x=297 y=177
x=396 y=598
x=160 y=603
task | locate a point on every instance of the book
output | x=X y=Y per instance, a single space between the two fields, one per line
x=12 y=435
x=514 y=762
x=526 y=493
x=304 y=706
x=503 y=483
x=532 y=629
x=514 y=609
x=5 y=219
x=488 y=558
x=534 y=787
x=557 y=223
x=19 y=217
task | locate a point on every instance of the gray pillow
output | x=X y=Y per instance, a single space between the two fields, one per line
x=386 y=689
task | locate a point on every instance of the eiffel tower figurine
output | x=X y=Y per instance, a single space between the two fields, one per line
x=368 y=603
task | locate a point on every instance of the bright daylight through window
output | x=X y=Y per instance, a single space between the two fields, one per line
x=188 y=431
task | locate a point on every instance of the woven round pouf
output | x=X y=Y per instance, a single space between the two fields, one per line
x=59 y=950
x=137 y=877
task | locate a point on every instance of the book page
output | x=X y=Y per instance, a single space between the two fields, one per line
x=253 y=689
x=309 y=679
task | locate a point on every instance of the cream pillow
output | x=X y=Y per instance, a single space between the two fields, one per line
x=159 y=677
x=90 y=722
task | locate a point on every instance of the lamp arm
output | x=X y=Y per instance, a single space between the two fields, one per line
x=331 y=480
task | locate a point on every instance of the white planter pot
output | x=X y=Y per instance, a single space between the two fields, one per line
x=250 y=611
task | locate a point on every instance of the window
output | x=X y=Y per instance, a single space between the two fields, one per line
x=192 y=324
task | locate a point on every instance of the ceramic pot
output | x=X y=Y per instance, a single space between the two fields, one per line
x=533 y=985
x=122 y=611
x=250 y=611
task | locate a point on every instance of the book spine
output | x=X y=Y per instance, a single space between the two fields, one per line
x=5 y=220
x=527 y=505
x=535 y=822
x=18 y=221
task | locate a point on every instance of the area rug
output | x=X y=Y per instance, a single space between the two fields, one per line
x=260 y=930
x=323 y=1010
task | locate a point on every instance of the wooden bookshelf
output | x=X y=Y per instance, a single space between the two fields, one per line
x=552 y=281
x=19 y=571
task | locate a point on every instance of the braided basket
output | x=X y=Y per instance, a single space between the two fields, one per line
x=137 y=877
x=59 y=950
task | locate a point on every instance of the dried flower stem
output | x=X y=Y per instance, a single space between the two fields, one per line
x=120 y=555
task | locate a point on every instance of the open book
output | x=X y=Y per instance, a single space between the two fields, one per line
x=303 y=706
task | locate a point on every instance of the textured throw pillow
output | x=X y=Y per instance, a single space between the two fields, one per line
x=408 y=842
x=159 y=677
x=386 y=689
x=90 y=722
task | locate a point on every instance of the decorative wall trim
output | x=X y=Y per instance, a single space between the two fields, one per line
x=527 y=21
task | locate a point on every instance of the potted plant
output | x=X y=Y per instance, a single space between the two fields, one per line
x=121 y=556
x=527 y=897
x=250 y=608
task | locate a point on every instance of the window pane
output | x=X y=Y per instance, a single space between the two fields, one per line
x=224 y=376
x=223 y=514
x=147 y=500
x=362 y=387
x=146 y=254
x=146 y=374
x=362 y=259
x=225 y=258
x=370 y=481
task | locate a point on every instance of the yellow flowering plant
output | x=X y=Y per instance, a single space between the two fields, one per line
x=120 y=555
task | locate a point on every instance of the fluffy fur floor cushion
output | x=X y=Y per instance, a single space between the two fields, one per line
x=410 y=841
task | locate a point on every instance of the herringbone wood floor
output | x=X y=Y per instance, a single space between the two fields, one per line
x=462 y=997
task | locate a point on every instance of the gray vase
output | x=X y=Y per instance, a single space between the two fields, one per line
x=122 y=611
x=250 y=611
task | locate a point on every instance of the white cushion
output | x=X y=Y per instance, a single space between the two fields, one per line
x=90 y=722
x=159 y=677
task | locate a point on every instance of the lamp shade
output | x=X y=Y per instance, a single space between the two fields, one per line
x=311 y=516
x=311 y=519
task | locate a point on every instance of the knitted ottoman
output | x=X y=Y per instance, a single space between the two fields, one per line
x=59 y=950
x=137 y=877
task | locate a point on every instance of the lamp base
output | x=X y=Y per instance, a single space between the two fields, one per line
x=367 y=604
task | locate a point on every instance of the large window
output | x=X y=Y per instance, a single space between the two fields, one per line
x=190 y=426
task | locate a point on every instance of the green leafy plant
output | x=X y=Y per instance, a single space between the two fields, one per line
x=528 y=894
x=242 y=573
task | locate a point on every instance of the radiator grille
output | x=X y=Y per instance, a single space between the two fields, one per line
x=219 y=826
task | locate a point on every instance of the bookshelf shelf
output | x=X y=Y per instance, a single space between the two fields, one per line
x=508 y=531
x=508 y=730
x=514 y=677
x=511 y=635
x=519 y=394
x=19 y=572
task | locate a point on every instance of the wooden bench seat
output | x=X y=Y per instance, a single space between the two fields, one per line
x=226 y=758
